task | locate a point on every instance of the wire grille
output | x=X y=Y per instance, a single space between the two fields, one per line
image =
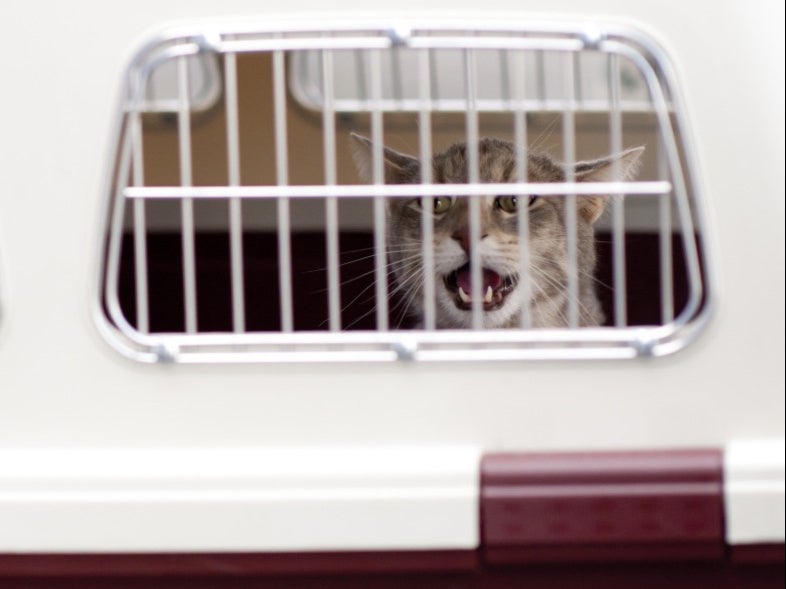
x=243 y=232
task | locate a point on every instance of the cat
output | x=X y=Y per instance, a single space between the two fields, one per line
x=499 y=249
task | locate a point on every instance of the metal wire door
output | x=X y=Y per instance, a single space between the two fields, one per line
x=487 y=78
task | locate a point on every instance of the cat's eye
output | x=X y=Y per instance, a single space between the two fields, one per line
x=439 y=204
x=442 y=204
x=510 y=204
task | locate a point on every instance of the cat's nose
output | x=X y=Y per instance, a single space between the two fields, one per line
x=462 y=237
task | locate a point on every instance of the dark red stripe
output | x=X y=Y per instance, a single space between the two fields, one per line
x=653 y=575
x=758 y=553
x=591 y=506
x=237 y=563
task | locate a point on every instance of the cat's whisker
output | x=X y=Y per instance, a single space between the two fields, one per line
x=511 y=260
x=346 y=281
x=391 y=271
x=353 y=301
x=406 y=278
x=559 y=285
x=585 y=273
x=596 y=280
x=413 y=290
x=361 y=259
x=415 y=243
x=410 y=299
x=550 y=301
x=392 y=268
x=400 y=301
x=413 y=250
x=410 y=272
x=545 y=133
x=359 y=319
x=371 y=248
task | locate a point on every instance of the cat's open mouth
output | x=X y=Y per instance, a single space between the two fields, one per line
x=494 y=288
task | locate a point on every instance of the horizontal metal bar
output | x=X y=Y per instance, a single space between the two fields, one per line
x=527 y=353
x=249 y=29
x=385 y=41
x=541 y=344
x=597 y=351
x=399 y=190
x=390 y=355
x=302 y=44
x=449 y=338
x=496 y=105
x=467 y=42
x=456 y=105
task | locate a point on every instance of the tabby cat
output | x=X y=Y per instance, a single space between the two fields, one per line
x=499 y=248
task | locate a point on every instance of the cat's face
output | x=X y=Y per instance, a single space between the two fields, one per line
x=498 y=249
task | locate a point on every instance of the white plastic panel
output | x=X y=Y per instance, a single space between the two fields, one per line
x=544 y=87
x=755 y=492
x=158 y=499
x=60 y=385
x=204 y=89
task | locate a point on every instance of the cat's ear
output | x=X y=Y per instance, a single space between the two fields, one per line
x=399 y=167
x=603 y=170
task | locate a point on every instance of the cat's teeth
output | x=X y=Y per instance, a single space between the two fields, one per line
x=487 y=298
x=489 y=295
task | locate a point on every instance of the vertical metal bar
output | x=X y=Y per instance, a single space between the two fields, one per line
x=618 y=201
x=504 y=74
x=140 y=228
x=520 y=139
x=378 y=173
x=282 y=179
x=118 y=211
x=666 y=262
x=476 y=271
x=571 y=229
x=427 y=218
x=434 y=76
x=360 y=75
x=540 y=70
x=187 y=205
x=331 y=202
x=397 y=78
x=578 y=94
x=235 y=207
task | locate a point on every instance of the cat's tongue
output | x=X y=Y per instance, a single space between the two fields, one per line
x=489 y=278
